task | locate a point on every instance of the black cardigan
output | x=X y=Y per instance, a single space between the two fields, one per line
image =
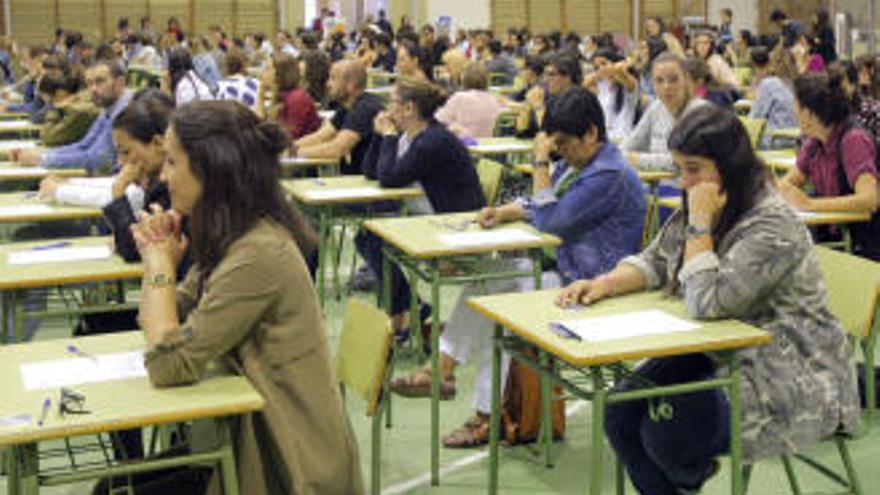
x=435 y=158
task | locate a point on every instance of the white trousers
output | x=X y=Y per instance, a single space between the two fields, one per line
x=468 y=335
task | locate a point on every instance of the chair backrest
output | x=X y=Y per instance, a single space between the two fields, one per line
x=491 y=173
x=853 y=289
x=755 y=128
x=505 y=123
x=362 y=354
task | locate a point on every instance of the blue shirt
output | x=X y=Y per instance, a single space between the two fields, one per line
x=207 y=69
x=96 y=148
x=599 y=215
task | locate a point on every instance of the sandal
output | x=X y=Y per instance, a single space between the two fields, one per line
x=474 y=433
x=418 y=384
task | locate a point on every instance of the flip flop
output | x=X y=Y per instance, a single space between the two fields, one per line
x=418 y=385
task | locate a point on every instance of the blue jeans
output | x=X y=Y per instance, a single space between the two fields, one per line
x=664 y=456
x=370 y=248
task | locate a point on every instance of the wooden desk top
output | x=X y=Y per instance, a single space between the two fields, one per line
x=18 y=125
x=115 y=404
x=647 y=176
x=18 y=207
x=352 y=189
x=421 y=237
x=528 y=314
x=809 y=217
x=779 y=160
x=12 y=172
x=63 y=273
x=786 y=132
x=299 y=162
x=500 y=146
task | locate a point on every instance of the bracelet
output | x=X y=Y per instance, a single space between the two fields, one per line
x=159 y=280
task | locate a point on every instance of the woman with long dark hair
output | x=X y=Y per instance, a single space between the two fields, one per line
x=248 y=299
x=734 y=250
x=184 y=82
x=616 y=86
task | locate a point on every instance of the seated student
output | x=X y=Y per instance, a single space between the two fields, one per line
x=106 y=81
x=413 y=62
x=649 y=50
x=531 y=77
x=866 y=109
x=617 y=90
x=706 y=87
x=473 y=110
x=454 y=61
x=592 y=200
x=386 y=58
x=645 y=148
x=184 y=82
x=721 y=72
x=736 y=250
x=294 y=108
x=348 y=135
x=247 y=301
x=499 y=62
x=238 y=85
x=31 y=104
x=413 y=147
x=72 y=111
x=838 y=158
x=774 y=100
x=561 y=73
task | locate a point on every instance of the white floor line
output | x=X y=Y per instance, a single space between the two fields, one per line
x=425 y=479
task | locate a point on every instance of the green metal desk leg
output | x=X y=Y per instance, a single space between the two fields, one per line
x=597 y=435
x=11 y=463
x=734 y=392
x=415 y=313
x=546 y=433
x=18 y=319
x=495 y=417
x=24 y=469
x=376 y=445
x=385 y=301
x=324 y=236
x=7 y=312
x=227 y=461
x=435 y=373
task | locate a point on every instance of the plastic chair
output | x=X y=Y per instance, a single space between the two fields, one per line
x=853 y=285
x=505 y=123
x=491 y=173
x=755 y=128
x=362 y=365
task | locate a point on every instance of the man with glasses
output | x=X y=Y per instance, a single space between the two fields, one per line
x=561 y=73
x=95 y=151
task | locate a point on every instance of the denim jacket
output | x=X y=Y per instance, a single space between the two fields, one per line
x=600 y=215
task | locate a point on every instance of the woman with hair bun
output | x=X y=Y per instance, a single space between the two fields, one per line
x=838 y=158
x=415 y=148
x=247 y=301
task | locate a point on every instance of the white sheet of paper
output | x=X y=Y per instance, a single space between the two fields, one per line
x=628 y=325
x=25 y=209
x=503 y=147
x=14 y=124
x=14 y=144
x=487 y=237
x=80 y=370
x=57 y=255
x=351 y=192
x=19 y=171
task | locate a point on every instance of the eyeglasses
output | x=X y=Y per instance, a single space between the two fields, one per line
x=72 y=402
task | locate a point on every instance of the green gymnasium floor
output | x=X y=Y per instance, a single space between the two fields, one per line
x=405 y=460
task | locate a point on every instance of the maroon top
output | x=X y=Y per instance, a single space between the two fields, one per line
x=818 y=162
x=298 y=114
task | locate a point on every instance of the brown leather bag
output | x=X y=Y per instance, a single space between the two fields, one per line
x=521 y=405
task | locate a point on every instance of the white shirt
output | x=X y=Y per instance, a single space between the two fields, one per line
x=190 y=88
x=97 y=192
x=618 y=124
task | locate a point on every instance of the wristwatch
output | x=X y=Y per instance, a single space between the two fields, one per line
x=694 y=231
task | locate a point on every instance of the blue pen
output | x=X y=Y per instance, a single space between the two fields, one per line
x=46 y=405
x=54 y=245
x=75 y=350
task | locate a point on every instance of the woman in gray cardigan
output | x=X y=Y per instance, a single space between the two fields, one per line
x=735 y=250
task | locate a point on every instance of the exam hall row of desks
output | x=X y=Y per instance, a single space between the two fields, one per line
x=400 y=231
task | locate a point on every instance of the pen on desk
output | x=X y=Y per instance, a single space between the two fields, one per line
x=46 y=405
x=319 y=181
x=564 y=332
x=76 y=350
x=54 y=245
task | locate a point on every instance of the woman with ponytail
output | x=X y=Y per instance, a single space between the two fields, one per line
x=838 y=158
x=247 y=301
x=617 y=88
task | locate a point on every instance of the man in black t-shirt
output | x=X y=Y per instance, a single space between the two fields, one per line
x=348 y=135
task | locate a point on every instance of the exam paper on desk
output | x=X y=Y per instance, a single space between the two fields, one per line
x=487 y=237
x=353 y=192
x=628 y=325
x=57 y=255
x=24 y=209
x=80 y=370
